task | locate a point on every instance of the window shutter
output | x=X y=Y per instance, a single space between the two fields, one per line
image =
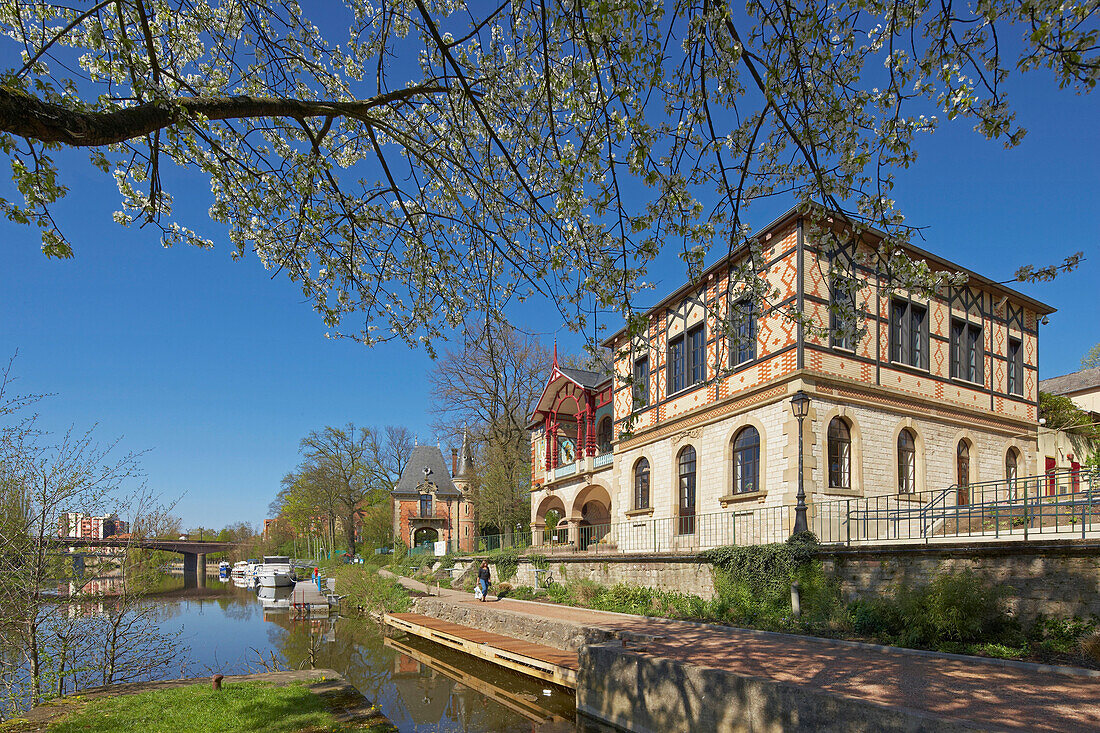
x=979 y=349
x=923 y=335
x=956 y=348
x=904 y=332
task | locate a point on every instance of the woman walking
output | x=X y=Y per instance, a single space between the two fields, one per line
x=483 y=579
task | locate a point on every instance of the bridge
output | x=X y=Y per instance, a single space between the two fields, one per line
x=194 y=551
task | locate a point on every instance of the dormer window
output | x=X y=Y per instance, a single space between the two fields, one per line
x=425 y=505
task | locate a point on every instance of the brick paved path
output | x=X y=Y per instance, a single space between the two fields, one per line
x=986 y=693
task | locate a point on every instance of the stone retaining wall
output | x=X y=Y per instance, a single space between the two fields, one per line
x=682 y=573
x=1056 y=578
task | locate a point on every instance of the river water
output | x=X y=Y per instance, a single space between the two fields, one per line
x=419 y=685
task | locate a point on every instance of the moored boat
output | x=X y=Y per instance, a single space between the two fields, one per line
x=275 y=572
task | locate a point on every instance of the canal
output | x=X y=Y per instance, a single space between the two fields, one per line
x=419 y=685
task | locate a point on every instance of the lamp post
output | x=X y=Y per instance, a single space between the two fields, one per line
x=800 y=404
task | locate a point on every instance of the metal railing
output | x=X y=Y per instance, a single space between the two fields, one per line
x=1065 y=503
x=1062 y=503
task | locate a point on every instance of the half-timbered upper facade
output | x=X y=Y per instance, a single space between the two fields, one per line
x=912 y=394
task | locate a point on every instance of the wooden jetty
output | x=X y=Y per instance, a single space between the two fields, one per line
x=307 y=600
x=523 y=704
x=534 y=660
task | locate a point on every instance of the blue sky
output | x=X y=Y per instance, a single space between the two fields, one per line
x=218 y=369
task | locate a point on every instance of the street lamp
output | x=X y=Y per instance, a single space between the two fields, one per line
x=800 y=404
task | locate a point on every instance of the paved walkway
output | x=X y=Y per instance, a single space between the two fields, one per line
x=987 y=693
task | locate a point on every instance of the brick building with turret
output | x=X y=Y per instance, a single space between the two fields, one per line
x=431 y=503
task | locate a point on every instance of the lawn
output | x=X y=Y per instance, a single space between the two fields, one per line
x=237 y=708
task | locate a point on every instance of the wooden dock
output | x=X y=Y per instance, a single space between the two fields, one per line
x=527 y=705
x=534 y=660
x=307 y=600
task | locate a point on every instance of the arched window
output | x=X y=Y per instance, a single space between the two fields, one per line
x=641 y=484
x=962 y=472
x=840 y=454
x=1012 y=463
x=603 y=434
x=907 y=462
x=746 y=460
x=687 y=491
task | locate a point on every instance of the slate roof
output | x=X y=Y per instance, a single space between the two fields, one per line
x=583 y=377
x=425 y=457
x=1070 y=383
x=465 y=461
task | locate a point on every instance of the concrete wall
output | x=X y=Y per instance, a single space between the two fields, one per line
x=1056 y=578
x=536 y=629
x=648 y=694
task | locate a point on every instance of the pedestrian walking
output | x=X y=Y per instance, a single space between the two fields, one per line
x=483 y=579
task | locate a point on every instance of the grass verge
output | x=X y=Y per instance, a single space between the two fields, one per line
x=237 y=708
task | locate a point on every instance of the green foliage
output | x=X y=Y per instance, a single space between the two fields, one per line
x=367 y=590
x=400 y=550
x=952 y=610
x=1091 y=359
x=1057 y=636
x=540 y=562
x=1062 y=413
x=753 y=584
x=507 y=562
x=239 y=707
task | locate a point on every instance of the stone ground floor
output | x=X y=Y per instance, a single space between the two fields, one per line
x=955 y=691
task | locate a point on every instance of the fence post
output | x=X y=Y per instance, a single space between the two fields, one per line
x=1084 y=508
x=996 y=520
x=1026 y=520
x=848 y=520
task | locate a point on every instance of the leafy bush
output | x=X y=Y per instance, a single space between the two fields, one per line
x=507 y=562
x=953 y=610
x=1060 y=636
x=584 y=591
x=370 y=592
x=502 y=589
x=753 y=585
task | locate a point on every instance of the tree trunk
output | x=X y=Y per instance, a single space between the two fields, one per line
x=349 y=533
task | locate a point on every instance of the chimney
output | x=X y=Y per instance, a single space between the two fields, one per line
x=454 y=461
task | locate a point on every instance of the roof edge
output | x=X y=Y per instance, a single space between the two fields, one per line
x=796 y=212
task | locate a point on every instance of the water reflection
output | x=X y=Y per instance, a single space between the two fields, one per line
x=419 y=685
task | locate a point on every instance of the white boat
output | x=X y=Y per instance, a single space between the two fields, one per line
x=240 y=568
x=223 y=570
x=274 y=572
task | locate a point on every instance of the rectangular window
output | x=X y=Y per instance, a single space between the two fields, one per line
x=1015 y=367
x=909 y=333
x=675 y=365
x=967 y=352
x=425 y=505
x=843 y=314
x=697 y=350
x=641 y=382
x=743 y=332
